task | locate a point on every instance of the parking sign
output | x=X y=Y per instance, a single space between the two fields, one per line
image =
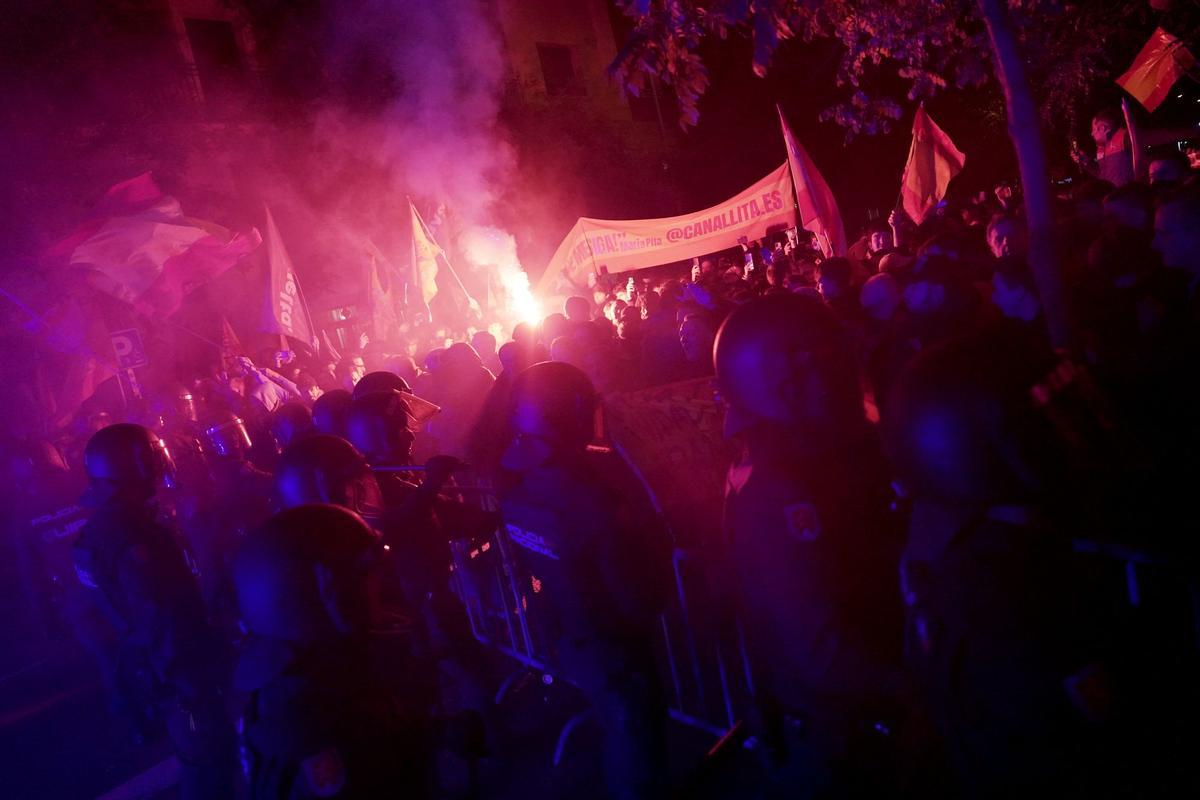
x=127 y=344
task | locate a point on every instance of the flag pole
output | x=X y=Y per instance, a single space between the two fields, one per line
x=414 y=214
x=445 y=259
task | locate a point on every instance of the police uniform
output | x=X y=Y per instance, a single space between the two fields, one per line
x=318 y=723
x=594 y=594
x=168 y=660
x=417 y=526
x=813 y=557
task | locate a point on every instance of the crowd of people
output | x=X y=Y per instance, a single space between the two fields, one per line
x=912 y=520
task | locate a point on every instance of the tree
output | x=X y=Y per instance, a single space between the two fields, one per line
x=932 y=45
x=1070 y=49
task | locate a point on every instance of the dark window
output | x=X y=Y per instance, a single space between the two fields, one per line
x=557 y=70
x=218 y=59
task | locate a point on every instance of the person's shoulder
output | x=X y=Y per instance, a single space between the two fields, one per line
x=262 y=661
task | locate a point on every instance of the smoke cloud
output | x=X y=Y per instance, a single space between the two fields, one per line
x=420 y=87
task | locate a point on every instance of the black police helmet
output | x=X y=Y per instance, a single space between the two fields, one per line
x=290 y=423
x=128 y=456
x=785 y=360
x=330 y=410
x=226 y=435
x=326 y=469
x=303 y=575
x=381 y=381
x=380 y=425
x=552 y=411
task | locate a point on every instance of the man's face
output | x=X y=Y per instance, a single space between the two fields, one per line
x=880 y=240
x=1176 y=238
x=829 y=288
x=1165 y=172
x=1006 y=239
x=1193 y=157
x=1102 y=131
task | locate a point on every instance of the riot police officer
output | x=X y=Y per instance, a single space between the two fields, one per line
x=811 y=552
x=598 y=572
x=319 y=721
x=327 y=469
x=169 y=663
x=291 y=422
x=418 y=523
x=172 y=416
x=1008 y=632
x=234 y=500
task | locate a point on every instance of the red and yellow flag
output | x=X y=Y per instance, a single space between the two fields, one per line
x=818 y=208
x=1162 y=62
x=933 y=161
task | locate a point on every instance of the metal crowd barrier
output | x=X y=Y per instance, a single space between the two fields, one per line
x=703 y=657
x=705 y=670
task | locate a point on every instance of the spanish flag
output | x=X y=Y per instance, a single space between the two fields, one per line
x=1161 y=63
x=818 y=209
x=933 y=161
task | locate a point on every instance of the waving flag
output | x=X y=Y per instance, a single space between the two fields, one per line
x=140 y=248
x=1162 y=62
x=425 y=252
x=380 y=283
x=231 y=346
x=285 y=310
x=933 y=161
x=818 y=208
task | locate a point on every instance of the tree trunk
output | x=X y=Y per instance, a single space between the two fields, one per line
x=1025 y=132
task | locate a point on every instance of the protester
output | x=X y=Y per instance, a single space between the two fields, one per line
x=987 y=610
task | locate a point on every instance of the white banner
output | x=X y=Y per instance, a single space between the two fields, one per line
x=597 y=245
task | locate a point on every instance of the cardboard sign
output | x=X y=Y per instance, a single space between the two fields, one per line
x=672 y=436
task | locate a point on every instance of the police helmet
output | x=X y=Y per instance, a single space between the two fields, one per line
x=226 y=436
x=329 y=412
x=380 y=425
x=326 y=469
x=290 y=423
x=306 y=574
x=785 y=360
x=552 y=412
x=380 y=381
x=128 y=456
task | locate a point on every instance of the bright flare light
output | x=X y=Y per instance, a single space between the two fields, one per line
x=496 y=250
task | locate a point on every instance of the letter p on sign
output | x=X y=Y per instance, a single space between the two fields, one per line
x=127 y=345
